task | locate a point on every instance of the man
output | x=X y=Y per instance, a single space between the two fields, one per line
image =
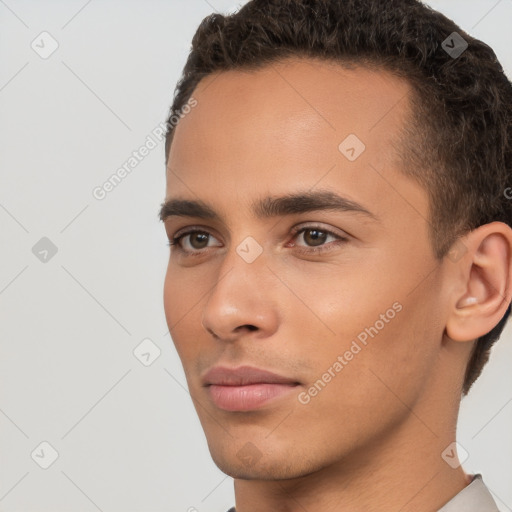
x=341 y=248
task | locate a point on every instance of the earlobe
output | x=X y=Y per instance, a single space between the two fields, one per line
x=484 y=275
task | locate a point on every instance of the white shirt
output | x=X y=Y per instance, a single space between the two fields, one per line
x=475 y=497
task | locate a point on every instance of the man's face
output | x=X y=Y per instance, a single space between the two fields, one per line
x=357 y=327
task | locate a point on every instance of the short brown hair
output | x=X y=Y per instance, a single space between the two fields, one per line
x=458 y=142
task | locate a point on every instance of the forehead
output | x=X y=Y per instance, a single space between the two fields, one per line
x=296 y=94
x=288 y=126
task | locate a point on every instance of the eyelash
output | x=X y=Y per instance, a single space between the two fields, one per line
x=175 y=241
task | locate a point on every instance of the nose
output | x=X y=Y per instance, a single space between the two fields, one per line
x=243 y=300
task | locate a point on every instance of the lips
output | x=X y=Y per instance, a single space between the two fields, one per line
x=246 y=388
x=243 y=376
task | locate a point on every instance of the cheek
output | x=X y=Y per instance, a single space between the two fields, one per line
x=172 y=303
x=370 y=319
x=363 y=393
x=334 y=302
x=182 y=303
x=183 y=290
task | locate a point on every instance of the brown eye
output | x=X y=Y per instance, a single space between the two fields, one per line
x=314 y=239
x=198 y=240
x=314 y=236
x=192 y=242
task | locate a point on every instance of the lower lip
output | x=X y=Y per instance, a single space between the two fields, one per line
x=246 y=398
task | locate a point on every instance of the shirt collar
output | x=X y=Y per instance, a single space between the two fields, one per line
x=475 y=497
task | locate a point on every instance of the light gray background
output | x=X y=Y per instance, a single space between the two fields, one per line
x=127 y=434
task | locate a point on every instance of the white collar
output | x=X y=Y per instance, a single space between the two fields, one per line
x=475 y=497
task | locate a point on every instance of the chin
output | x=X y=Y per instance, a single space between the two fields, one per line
x=246 y=462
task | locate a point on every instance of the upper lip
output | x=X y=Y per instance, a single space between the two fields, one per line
x=243 y=375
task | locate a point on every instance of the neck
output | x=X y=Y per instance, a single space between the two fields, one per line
x=403 y=471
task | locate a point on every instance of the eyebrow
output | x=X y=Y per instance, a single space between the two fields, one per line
x=269 y=207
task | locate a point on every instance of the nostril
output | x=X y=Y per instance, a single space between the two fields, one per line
x=250 y=327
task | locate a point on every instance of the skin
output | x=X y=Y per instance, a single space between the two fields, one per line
x=372 y=438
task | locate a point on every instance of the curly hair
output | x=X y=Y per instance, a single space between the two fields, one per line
x=458 y=141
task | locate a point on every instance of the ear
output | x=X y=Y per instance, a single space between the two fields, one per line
x=482 y=276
